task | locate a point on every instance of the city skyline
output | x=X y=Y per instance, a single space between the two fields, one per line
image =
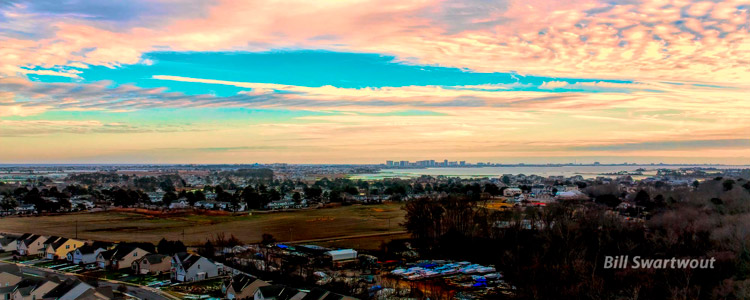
x=369 y=81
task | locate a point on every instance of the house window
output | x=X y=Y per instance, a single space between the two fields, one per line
x=135 y=253
x=67 y=246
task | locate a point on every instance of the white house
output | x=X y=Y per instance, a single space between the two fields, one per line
x=86 y=254
x=179 y=204
x=510 y=192
x=191 y=267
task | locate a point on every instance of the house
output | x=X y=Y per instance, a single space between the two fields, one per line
x=243 y=287
x=152 y=264
x=10 y=276
x=85 y=254
x=60 y=248
x=32 y=245
x=191 y=267
x=26 y=208
x=121 y=257
x=205 y=204
x=571 y=195
x=13 y=285
x=278 y=292
x=33 y=288
x=8 y=244
x=73 y=289
x=321 y=294
x=180 y=203
x=281 y=204
x=512 y=191
x=155 y=197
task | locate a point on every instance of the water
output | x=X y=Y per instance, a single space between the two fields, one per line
x=567 y=171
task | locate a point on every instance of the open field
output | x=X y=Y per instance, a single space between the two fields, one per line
x=312 y=224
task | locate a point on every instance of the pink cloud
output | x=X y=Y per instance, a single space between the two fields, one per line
x=565 y=38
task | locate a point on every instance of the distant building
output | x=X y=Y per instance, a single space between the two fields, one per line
x=512 y=192
x=180 y=203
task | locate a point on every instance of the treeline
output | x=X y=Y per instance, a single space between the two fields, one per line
x=557 y=252
x=259 y=174
x=44 y=200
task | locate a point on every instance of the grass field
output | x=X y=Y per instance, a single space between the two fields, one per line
x=312 y=224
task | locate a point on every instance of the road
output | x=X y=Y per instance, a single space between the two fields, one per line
x=141 y=292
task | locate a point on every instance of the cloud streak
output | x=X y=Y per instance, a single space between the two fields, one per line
x=676 y=40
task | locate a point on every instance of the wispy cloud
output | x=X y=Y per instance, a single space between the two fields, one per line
x=666 y=78
x=680 y=40
x=671 y=145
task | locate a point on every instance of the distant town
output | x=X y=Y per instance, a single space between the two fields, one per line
x=286 y=231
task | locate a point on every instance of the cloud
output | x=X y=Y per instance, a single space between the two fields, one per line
x=10 y=128
x=651 y=40
x=553 y=84
x=671 y=145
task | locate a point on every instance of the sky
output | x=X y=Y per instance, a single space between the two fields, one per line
x=361 y=81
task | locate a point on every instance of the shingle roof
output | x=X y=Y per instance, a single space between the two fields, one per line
x=119 y=252
x=241 y=281
x=187 y=260
x=155 y=258
x=315 y=294
x=59 y=243
x=7 y=240
x=30 y=239
x=62 y=289
x=24 y=236
x=278 y=291
x=10 y=268
x=28 y=285
x=51 y=240
x=87 y=249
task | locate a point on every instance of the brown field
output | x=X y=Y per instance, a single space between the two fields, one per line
x=346 y=226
